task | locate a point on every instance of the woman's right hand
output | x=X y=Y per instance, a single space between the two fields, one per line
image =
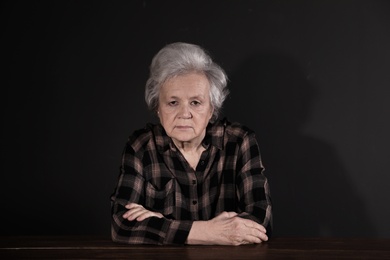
x=139 y=213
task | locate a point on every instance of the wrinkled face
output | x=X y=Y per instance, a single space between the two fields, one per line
x=184 y=107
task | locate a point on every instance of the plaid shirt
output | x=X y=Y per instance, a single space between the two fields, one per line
x=154 y=174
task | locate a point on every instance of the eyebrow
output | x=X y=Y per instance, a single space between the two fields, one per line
x=193 y=97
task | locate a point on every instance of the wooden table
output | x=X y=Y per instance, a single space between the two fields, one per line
x=277 y=248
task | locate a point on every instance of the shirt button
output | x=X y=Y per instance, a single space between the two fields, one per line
x=194 y=202
x=202 y=162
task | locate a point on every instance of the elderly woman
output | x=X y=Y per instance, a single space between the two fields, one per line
x=191 y=179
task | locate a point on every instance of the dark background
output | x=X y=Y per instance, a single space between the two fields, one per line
x=312 y=78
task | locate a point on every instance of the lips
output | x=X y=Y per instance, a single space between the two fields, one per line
x=183 y=127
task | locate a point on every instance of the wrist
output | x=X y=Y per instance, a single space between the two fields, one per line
x=198 y=233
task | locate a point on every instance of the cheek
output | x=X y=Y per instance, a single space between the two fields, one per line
x=209 y=113
x=167 y=110
x=166 y=119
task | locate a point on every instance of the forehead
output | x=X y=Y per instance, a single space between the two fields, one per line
x=186 y=84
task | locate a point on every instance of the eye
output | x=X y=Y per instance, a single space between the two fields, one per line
x=195 y=103
x=173 y=103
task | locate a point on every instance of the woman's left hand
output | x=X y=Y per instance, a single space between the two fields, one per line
x=139 y=213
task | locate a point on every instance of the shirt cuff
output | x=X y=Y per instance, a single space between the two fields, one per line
x=178 y=232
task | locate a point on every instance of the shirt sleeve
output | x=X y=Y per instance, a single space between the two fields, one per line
x=130 y=189
x=254 y=198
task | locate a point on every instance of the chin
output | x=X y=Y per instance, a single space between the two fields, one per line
x=182 y=138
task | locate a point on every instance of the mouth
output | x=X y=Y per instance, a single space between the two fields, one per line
x=183 y=127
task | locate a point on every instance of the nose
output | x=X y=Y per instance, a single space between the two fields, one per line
x=185 y=112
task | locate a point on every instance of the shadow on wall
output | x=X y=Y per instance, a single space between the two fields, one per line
x=311 y=193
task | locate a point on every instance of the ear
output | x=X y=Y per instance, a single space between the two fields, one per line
x=211 y=113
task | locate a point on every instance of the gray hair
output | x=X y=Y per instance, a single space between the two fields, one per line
x=181 y=58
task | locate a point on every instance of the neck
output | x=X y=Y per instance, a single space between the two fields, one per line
x=191 y=151
x=191 y=146
x=188 y=147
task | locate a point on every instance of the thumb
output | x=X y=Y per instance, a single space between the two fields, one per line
x=227 y=215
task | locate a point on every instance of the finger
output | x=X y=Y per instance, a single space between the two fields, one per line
x=251 y=240
x=254 y=225
x=258 y=235
x=145 y=215
x=262 y=229
x=132 y=205
x=254 y=232
x=263 y=237
x=255 y=237
x=134 y=213
x=226 y=215
x=231 y=214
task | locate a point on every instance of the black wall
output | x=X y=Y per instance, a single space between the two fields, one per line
x=312 y=78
